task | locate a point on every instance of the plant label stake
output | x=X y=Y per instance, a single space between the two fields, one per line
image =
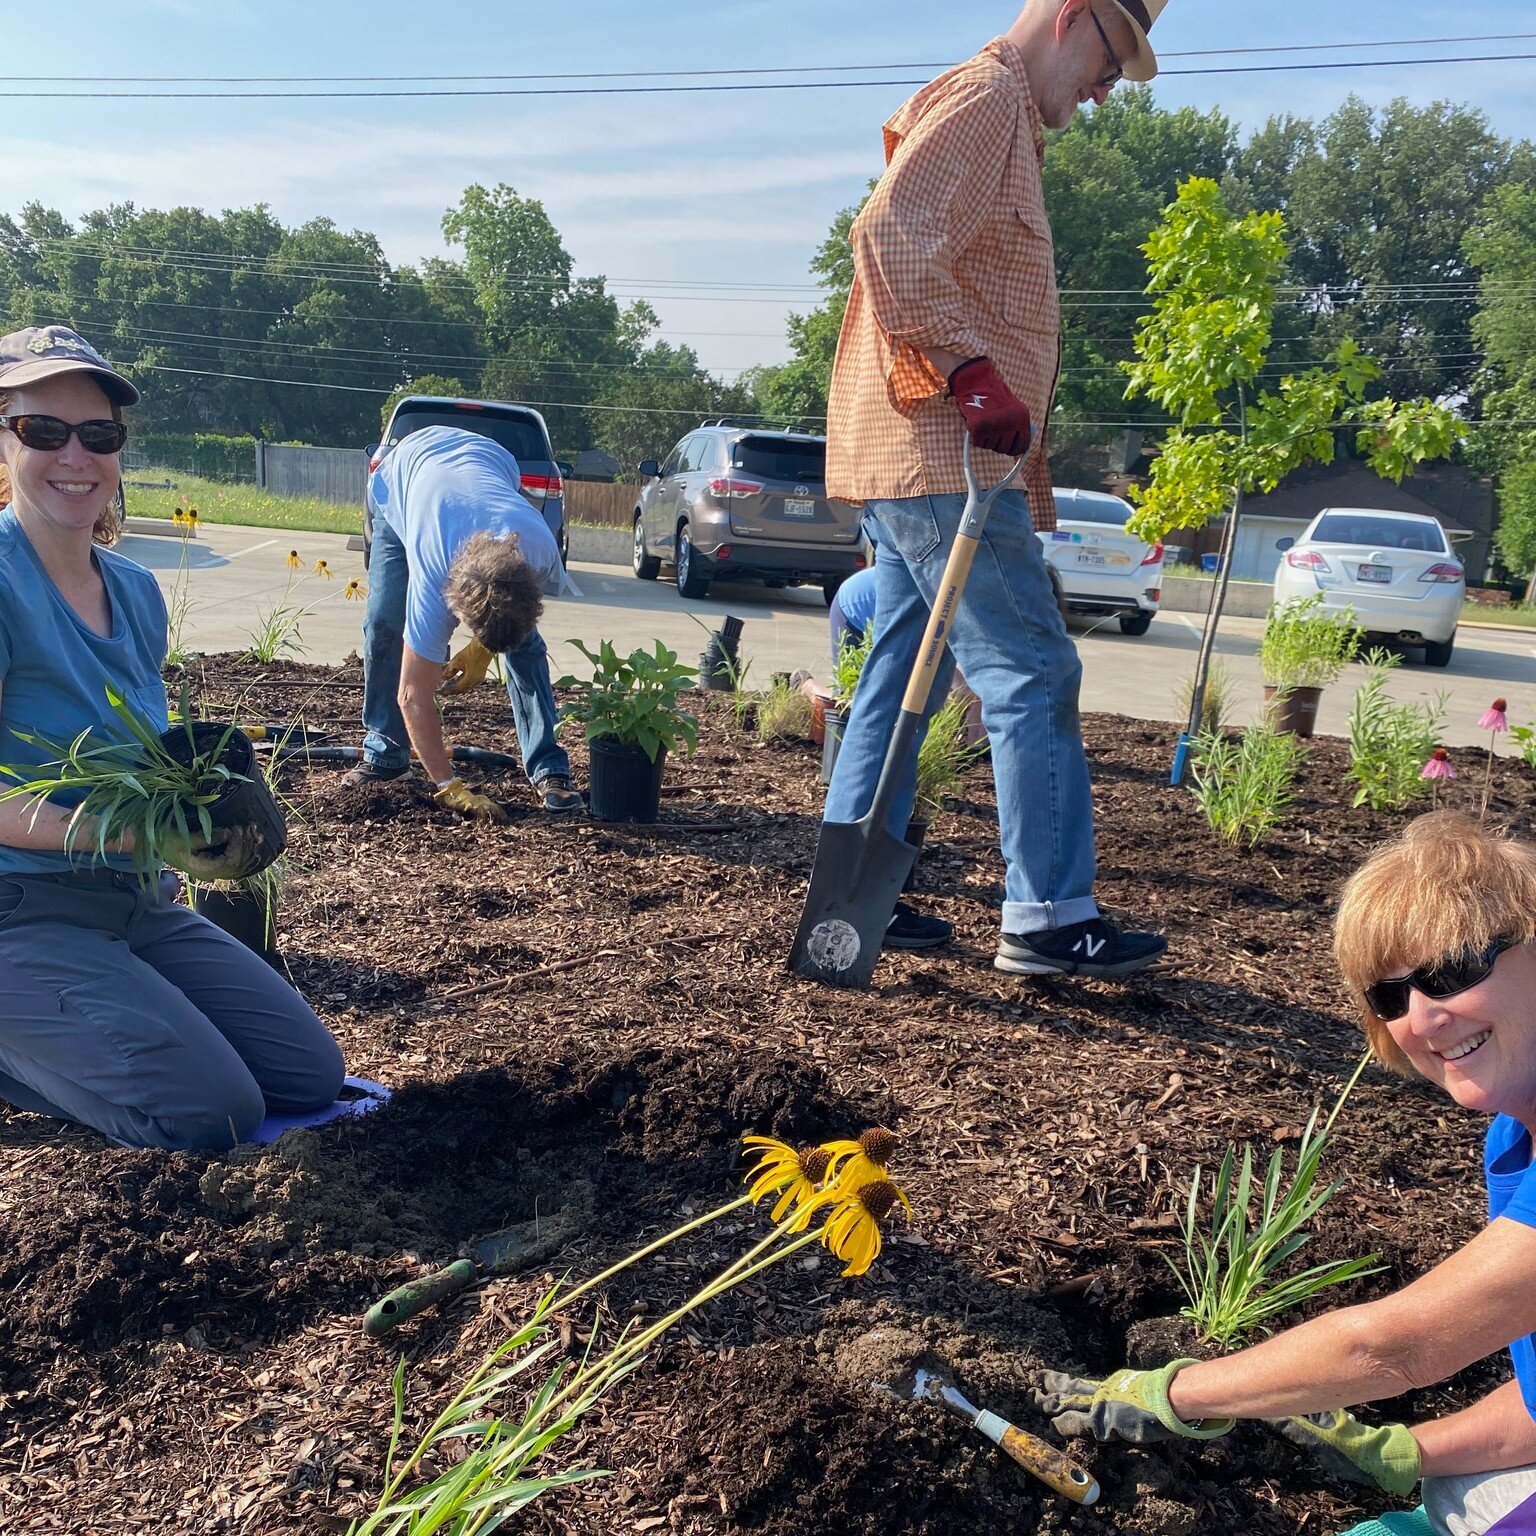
x=861 y=867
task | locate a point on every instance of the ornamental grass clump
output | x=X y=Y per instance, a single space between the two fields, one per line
x=1388 y=741
x=1245 y=785
x=276 y=631
x=783 y=713
x=946 y=757
x=849 y=667
x=1233 y=1259
x=836 y=1194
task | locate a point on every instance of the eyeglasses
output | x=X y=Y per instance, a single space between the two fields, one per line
x=1117 y=70
x=1445 y=978
x=48 y=434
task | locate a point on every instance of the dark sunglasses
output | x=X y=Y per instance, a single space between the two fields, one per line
x=48 y=434
x=1117 y=69
x=1445 y=978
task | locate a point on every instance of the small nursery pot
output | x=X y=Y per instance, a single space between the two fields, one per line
x=917 y=833
x=833 y=721
x=1296 y=710
x=243 y=802
x=242 y=915
x=623 y=783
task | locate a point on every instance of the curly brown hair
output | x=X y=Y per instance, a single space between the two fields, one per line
x=492 y=591
x=108 y=529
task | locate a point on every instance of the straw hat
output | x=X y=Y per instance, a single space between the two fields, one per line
x=1142 y=65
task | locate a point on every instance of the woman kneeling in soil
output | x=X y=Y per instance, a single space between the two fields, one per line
x=118 y=1008
x=1434 y=937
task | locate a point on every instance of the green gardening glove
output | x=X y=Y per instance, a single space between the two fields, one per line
x=1385 y=1455
x=1130 y=1405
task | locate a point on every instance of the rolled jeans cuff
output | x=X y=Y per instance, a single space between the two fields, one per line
x=1032 y=916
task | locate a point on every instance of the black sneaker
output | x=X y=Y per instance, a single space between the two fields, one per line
x=557 y=795
x=1094 y=948
x=910 y=929
x=370 y=773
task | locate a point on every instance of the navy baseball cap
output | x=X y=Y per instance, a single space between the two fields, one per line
x=42 y=351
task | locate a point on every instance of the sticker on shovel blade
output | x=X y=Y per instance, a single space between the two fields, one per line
x=834 y=945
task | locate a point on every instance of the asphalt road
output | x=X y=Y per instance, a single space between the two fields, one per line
x=235 y=573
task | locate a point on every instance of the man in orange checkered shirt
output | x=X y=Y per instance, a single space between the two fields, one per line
x=953 y=326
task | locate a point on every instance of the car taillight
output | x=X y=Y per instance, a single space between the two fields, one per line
x=543 y=485
x=1306 y=560
x=375 y=461
x=1154 y=555
x=1443 y=573
x=729 y=487
x=860 y=562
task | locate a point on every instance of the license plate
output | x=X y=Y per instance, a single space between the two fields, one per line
x=1092 y=560
x=796 y=508
x=1379 y=573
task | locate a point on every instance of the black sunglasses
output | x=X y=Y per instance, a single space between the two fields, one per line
x=1445 y=978
x=48 y=434
x=1117 y=71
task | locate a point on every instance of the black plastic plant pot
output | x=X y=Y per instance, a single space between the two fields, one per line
x=244 y=801
x=623 y=783
x=834 y=720
x=917 y=833
x=243 y=915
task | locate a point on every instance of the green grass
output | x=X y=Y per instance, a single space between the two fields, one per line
x=217 y=502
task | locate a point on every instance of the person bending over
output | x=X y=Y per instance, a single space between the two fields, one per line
x=118 y=1008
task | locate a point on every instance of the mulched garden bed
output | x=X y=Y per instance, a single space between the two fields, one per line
x=590 y=1018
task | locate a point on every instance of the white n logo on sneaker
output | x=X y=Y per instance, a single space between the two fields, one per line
x=1090 y=944
x=977 y=402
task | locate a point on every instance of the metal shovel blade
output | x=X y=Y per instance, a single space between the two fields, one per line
x=859 y=872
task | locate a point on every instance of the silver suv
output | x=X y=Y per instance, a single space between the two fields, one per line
x=734 y=501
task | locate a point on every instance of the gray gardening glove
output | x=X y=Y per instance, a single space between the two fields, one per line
x=1129 y=1405
x=1381 y=1455
x=229 y=854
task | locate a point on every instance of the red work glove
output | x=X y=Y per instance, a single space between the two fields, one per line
x=994 y=416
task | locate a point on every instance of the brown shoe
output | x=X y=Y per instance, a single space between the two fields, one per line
x=557 y=796
x=370 y=773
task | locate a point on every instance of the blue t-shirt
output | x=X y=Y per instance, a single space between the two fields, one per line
x=54 y=670
x=1511 y=1180
x=438 y=489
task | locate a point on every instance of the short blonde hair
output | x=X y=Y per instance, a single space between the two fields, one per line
x=107 y=530
x=492 y=590
x=1444 y=884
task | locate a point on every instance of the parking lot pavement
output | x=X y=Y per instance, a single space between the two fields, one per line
x=235 y=573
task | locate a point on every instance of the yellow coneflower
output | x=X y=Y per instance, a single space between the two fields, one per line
x=793 y=1175
x=852 y=1231
x=294 y=563
x=192 y=516
x=323 y=568
x=856 y=1163
x=178 y=518
x=355 y=590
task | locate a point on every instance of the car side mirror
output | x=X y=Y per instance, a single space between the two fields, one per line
x=1284 y=544
x=566 y=469
x=650 y=469
x=371 y=449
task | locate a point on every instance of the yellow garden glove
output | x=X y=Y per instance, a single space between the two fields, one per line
x=1385 y=1455
x=467 y=668
x=457 y=796
x=1129 y=1405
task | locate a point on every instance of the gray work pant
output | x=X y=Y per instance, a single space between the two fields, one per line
x=128 y=1013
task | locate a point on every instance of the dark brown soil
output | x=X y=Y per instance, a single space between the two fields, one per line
x=589 y=1018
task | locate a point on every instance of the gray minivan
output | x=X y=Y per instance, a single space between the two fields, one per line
x=731 y=502
x=518 y=428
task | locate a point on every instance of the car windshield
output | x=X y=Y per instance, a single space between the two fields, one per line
x=520 y=435
x=780 y=458
x=1415 y=533
x=1108 y=512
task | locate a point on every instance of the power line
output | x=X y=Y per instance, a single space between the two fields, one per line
x=675 y=90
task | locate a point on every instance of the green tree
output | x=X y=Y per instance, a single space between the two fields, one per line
x=427 y=384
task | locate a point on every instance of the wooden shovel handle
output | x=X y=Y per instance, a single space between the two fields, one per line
x=1040 y=1459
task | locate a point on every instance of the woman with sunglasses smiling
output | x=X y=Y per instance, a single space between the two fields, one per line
x=118 y=1008
x=1435 y=939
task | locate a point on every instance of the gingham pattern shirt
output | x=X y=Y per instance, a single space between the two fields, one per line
x=953 y=251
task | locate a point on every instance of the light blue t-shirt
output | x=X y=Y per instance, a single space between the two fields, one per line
x=1511 y=1180
x=438 y=489
x=54 y=670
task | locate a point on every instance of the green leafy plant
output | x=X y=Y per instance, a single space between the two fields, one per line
x=945 y=758
x=1216 y=702
x=134 y=786
x=849 y=667
x=1305 y=646
x=783 y=714
x=1233 y=1262
x=1245 y=785
x=1389 y=743
x=633 y=699
x=1524 y=737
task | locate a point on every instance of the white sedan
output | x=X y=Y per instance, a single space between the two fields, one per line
x=1395 y=570
x=1102 y=569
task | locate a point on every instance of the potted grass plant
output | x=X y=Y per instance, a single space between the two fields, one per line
x=630 y=714
x=168 y=790
x=245 y=909
x=851 y=657
x=1303 y=650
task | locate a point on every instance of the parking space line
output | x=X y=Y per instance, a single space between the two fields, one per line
x=265 y=544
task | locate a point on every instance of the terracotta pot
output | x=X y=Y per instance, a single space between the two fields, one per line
x=1295 y=710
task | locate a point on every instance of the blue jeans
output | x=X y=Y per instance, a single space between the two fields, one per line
x=386 y=745
x=1010 y=642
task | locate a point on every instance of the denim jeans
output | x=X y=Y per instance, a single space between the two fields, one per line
x=386 y=744
x=1009 y=640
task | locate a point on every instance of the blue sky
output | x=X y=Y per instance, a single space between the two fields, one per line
x=656 y=192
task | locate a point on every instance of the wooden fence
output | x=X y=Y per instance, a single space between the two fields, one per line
x=600 y=503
